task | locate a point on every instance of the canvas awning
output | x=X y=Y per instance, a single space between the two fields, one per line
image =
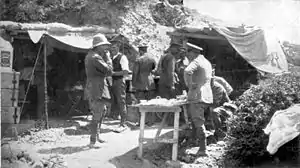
x=75 y=42
x=58 y=35
x=258 y=47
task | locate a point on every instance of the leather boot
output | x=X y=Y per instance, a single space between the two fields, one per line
x=93 y=126
x=99 y=130
x=201 y=141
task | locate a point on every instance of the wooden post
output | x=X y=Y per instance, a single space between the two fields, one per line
x=175 y=135
x=141 y=137
x=45 y=84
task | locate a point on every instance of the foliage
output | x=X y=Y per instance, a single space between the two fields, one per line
x=247 y=142
x=65 y=11
x=170 y=16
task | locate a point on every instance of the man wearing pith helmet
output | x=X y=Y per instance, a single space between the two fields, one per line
x=98 y=66
x=197 y=76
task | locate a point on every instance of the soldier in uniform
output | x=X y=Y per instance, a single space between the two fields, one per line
x=181 y=63
x=98 y=66
x=118 y=89
x=197 y=76
x=220 y=96
x=142 y=78
x=166 y=69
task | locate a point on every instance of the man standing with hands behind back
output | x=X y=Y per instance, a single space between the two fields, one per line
x=98 y=67
x=197 y=77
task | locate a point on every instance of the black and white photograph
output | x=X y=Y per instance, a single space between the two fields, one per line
x=150 y=83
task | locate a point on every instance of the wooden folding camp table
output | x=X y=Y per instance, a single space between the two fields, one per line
x=176 y=109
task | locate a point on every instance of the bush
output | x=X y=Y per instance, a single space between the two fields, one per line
x=246 y=144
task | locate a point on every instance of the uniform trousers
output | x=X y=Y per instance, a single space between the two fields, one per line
x=98 y=108
x=118 y=106
x=196 y=113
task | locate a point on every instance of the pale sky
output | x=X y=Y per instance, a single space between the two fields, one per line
x=282 y=16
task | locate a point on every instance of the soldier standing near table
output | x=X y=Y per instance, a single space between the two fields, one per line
x=142 y=78
x=118 y=89
x=197 y=76
x=181 y=63
x=167 y=74
x=98 y=66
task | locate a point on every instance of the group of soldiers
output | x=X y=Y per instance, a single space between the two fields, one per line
x=180 y=69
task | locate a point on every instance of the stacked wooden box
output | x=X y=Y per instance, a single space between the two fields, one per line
x=10 y=112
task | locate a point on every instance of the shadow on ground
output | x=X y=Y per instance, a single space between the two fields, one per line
x=64 y=150
x=150 y=159
x=83 y=130
x=83 y=126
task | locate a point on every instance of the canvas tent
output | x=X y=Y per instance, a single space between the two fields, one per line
x=60 y=36
x=258 y=47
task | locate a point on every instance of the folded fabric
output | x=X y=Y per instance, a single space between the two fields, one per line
x=283 y=127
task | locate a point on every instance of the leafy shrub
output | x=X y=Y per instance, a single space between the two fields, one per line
x=246 y=144
x=170 y=16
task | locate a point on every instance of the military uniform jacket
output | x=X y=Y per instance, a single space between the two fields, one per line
x=201 y=71
x=142 y=79
x=167 y=71
x=97 y=69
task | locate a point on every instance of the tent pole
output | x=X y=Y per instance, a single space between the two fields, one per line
x=45 y=84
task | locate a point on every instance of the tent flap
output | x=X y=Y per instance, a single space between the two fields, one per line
x=260 y=50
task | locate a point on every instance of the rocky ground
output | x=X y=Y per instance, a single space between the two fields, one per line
x=66 y=146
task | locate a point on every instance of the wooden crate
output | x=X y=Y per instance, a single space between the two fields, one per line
x=10 y=80
x=9 y=97
x=8 y=113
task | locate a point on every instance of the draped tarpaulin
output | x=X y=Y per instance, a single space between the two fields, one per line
x=259 y=48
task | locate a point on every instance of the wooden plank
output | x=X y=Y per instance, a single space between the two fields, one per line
x=165 y=140
x=162 y=124
x=141 y=136
x=170 y=109
x=159 y=140
x=175 y=136
x=45 y=84
x=196 y=35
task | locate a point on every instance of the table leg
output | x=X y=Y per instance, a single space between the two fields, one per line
x=141 y=137
x=175 y=136
x=162 y=124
